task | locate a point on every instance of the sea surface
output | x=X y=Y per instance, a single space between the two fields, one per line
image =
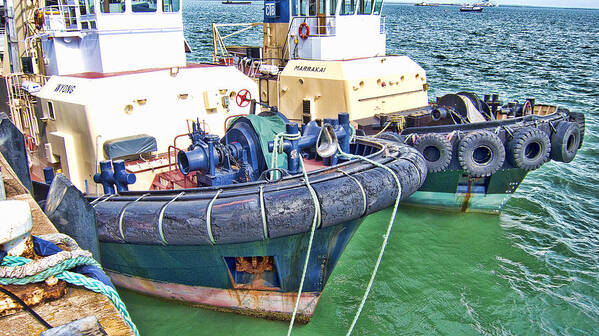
x=532 y=270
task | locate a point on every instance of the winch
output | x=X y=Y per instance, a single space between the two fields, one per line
x=244 y=153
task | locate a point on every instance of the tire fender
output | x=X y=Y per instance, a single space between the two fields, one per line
x=481 y=153
x=436 y=149
x=529 y=148
x=565 y=141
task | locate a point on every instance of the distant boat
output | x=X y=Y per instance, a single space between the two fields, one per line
x=427 y=4
x=229 y=2
x=469 y=8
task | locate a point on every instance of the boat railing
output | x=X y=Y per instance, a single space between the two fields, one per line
x=320 y=26
x=220 y=51
x=22 y=103
x=62 y=18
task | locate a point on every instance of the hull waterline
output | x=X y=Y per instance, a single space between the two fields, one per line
x=208 y=276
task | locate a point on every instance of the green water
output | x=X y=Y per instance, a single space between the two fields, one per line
x=441 y=274
x=532 y=270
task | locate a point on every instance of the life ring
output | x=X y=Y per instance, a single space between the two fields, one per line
x=481 y=153
x=436 y=149
x=529 y=148
x=300 y=30
x=565 y=141
x=244 y=97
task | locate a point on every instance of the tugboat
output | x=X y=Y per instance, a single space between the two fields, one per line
x=229 y=2
x=310 y=66
x=198 y=197
x=471 y=8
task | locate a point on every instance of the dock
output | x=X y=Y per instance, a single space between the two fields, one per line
x=76 y=304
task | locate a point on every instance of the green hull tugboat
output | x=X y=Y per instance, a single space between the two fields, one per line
x=478 y=151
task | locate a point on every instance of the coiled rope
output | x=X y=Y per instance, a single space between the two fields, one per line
x=21 y=271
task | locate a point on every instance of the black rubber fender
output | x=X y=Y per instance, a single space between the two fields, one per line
x=436 y=149
x=391 y=136
x=565 y=141
x=529 y=148
x=481 y=153
x=158 y=217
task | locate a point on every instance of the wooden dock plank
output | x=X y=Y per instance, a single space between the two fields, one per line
x=76 y=304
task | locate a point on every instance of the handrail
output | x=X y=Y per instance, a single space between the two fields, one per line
x=62 y=17
x=218 y=40
x=291 y=25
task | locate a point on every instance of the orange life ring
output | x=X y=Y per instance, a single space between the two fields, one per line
x=301 y=30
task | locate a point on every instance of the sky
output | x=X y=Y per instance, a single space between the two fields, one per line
x=542 y=3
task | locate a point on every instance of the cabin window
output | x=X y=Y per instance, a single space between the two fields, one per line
x=112 y=6
x=348 y=7
x=303 y=7
x=143 y=6
x=51 y=110
x=82 y=7
x=322 y=7
x=333 y=7
x=170 y=5
x=86 y=7
x=377 y=7
x=365 y=7
x=312 y=7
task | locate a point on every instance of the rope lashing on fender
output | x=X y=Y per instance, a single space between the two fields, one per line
x=263 y=213
x=385 y=237
x=209 y=217
x=21 y=271
x=123 y=215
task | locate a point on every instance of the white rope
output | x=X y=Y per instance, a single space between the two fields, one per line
x=208 y=215
x=103 y=200
x=315 y=221
x=263 y=212
x=353 y=178
x=161 y=217
x=385 y=237
x=123 y=214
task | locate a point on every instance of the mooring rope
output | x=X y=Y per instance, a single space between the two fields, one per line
x=385 y=237
x=60 y=272
x=278 y=147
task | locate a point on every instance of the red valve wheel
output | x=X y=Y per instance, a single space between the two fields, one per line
x=244 y=97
